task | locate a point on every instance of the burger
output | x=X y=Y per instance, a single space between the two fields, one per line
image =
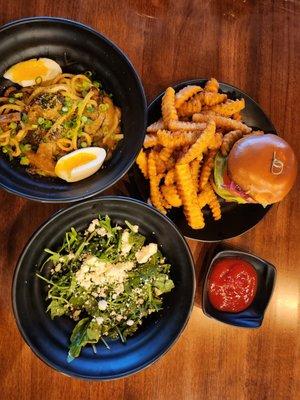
x=258 y=169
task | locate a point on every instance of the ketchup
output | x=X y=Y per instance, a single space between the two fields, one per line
x=232 y=284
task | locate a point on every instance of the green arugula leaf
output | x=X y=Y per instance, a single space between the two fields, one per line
x=85 y=331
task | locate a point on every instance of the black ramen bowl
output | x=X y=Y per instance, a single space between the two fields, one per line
x=236 y=218
x=251 y=317
x=49 y=339
x=77 y=48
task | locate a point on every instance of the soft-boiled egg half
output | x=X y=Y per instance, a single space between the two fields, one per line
x=31 y=72
x=80 y=164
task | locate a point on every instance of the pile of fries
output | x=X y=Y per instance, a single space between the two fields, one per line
x=180 y=148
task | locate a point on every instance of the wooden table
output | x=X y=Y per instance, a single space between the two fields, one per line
x=251 y=44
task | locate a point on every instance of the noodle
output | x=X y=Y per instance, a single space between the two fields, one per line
x=68 y=112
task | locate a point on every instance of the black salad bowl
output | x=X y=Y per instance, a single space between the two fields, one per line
x=77 y=48
x=236 y=218
x=49 y=339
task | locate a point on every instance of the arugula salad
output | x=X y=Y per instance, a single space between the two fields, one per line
x=107 y=280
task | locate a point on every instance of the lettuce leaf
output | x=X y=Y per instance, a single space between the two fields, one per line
x=219 y=169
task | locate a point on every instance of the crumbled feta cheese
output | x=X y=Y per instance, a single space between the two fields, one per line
x=58 y=267
x=96 y=272
x=130 y=322
x=119 y=318
x=93 y=225
x=99 y=320
x=143 y=255
x=102 y=304
x=70 y=256
x=125 y=245
x=76 y=313
x=101 y=232
x=135 y=228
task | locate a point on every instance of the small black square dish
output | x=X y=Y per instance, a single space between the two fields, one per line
x=252 y=316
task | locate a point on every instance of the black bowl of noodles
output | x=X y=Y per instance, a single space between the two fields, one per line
x=77 y=49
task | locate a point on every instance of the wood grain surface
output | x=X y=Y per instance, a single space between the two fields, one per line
x=253 y=45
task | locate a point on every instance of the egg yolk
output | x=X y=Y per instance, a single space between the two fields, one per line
x=27 y=70
x=75 y=161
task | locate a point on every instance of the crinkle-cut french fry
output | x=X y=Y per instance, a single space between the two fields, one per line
x=237 y=116
x=170 y=193
x=190 y=107
x=177 y=139
x=168 y=109
x=170 y=163
x=186 y=93
x=150 y=141
x=229 y=108
x=188 y=196
x=186 y=126
x=228 y=141
x=211 y=99
x=155 y=195
x=165 y=153
x=142 y=163
x=216 y=141
x=213 y=203
x=204 y=197
x=164 y=201
x=223 y=122
x=207 y=167
x=170 y=177
x=195 y=169
x=201 y=145
x=208 y=196
x=160 y=164
x=156 y=126
x=212 y=86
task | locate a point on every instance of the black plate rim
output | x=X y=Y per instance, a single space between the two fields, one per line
x=195 y=81
x=224 y=253
x=122 y=54
x=29 y=244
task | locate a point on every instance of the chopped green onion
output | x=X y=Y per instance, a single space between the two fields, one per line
x=18 y=95
x=11 y=100
x=83 y=144
x=47 y=124
x=25 y=147
x=13 y=125
x=103 y=107
x=90 y=109
x=65 y=109
x=84 y=119
x=38 y=80
x=97 y=84
x=24 y=117
x=40 y=120
x=88 y=74
x=24 y=161
x=68 y=102
x=85 y=85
